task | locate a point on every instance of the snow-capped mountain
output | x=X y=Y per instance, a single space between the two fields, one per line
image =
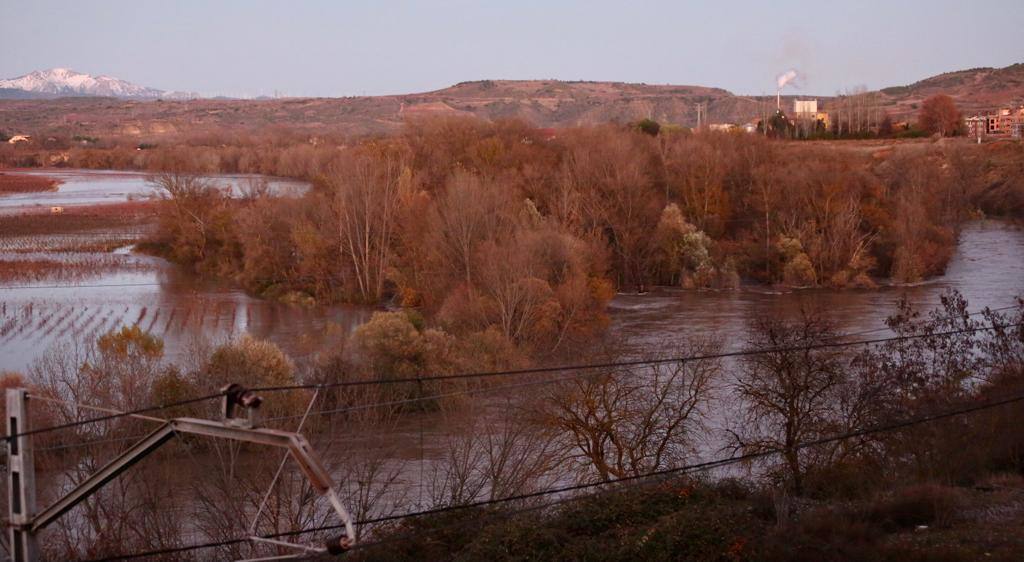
x=65 y=82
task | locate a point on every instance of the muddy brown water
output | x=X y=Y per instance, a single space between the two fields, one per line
x=988 y=268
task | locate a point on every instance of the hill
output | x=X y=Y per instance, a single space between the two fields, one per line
x=546 y=103
x=975 y=90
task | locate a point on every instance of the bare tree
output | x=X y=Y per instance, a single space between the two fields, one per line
x=190 y=224
x=470 y=213
x=367 y=191
x=789 y=395
x=492 y=454
x=632 y=421
x=115 y=371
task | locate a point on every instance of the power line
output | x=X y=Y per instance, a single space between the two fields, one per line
x=96 y=408
x=950 y=317
x=89 y=443
x=635 y=362
x=697 y=467
x=536 y=370
x=532 y=383
x=465 y=391
x=707 y=465
x=129 y=413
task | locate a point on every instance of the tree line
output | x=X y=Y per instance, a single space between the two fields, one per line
x=498 y=224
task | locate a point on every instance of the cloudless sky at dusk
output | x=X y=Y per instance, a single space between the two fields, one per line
x=334 y=48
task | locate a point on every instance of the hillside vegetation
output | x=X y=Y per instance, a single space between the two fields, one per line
x=545 y=103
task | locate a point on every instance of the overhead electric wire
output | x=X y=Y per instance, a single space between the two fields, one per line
x=79 y=444
x=635 y=362
x=97 y=408
x=460 y=392
x=482 y=390
x=696 y=467
x=534 y=370
x=952 y=317
x=280 y=467
x=129 y=413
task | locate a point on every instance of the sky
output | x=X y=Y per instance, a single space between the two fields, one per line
x=351 y=47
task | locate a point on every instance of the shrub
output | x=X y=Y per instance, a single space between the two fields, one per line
x=255 y=363
x=172 y=386
x=649 y=127
x=913 y=506
x=822 y=535
x=677 y=520
x=391 y=346
x=849 y=479
x=250 y=362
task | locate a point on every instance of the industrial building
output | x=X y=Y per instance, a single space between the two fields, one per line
x=806 y=112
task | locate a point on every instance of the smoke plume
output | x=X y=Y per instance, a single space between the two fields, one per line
x=786 y=78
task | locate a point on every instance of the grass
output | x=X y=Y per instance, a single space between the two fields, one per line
x=71 y=246
x=129 y=216
x=912 y=507
x=63 y=268
x=26 y=184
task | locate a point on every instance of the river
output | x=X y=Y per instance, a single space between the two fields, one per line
x=988 y=268
x=128 y=288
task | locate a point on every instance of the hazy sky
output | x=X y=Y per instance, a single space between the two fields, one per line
x=333 y=48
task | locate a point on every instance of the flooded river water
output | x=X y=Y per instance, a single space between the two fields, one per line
x=988 y=268
x=104 y=187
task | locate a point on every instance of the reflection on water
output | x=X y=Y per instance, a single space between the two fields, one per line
x=176 y=307
x=988 y=269
x=119 y=288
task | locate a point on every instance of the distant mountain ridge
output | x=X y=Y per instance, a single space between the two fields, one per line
x=62 y=82
x=545 y=103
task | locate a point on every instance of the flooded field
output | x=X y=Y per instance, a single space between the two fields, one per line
x=41 y=306
x=104 y=187
x=58 y=288
x=84 y=279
